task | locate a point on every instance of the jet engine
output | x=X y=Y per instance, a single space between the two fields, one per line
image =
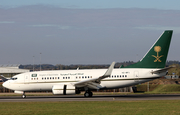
x=64 y=89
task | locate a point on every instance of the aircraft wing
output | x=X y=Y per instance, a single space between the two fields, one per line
x=94 y=83
x=162 y=70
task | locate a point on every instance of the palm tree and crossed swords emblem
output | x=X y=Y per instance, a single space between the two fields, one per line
x=157 y=49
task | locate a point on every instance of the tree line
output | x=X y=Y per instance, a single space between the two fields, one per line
x=81 y=66
x=68 y=67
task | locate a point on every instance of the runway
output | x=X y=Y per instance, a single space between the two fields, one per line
x=55 y=98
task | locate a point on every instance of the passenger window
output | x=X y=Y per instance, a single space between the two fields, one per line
x=122 y=75
x=117 y=75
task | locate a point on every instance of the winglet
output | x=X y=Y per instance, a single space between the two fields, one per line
x=109 y=71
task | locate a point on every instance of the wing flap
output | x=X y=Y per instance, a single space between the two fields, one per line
x=93 y=85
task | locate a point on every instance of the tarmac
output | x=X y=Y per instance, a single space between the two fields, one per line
x=62 y=98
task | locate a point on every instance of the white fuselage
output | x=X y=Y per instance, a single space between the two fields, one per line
x=45 y=80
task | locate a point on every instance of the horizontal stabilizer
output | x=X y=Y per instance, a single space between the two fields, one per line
x=162 y=70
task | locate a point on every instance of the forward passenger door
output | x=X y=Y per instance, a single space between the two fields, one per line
x=26 y=78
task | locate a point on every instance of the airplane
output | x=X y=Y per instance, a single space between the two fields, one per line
x=66 y=82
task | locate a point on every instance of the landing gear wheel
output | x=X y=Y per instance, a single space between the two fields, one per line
x=23 y=96
x=88 y=94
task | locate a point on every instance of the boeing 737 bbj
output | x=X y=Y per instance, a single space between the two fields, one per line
x=65 y=82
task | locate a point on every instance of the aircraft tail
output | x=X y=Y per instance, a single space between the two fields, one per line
x=157 y=54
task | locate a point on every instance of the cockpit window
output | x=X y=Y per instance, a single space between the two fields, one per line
x=14 y=78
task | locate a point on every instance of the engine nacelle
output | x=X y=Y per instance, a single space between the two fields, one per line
x=19 y=92
x=64 y=89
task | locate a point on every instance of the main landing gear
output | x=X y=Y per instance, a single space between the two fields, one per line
x=23 y=96
x=88 y=94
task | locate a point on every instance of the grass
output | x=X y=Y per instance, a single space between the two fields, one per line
x=165 y=107
x=167 y=88
x=159 y=89
x=143 y=87
x=169 y=107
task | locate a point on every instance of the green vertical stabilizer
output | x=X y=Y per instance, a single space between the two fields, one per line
x=157 y=54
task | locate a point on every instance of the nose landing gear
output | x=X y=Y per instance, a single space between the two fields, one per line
x=23 y=96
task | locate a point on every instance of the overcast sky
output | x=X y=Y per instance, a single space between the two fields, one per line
x=82 y=32
x=97 y=4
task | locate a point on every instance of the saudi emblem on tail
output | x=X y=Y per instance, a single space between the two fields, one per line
x=157 y=54
x=157 y=49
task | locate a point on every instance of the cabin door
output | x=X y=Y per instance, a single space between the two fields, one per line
x=26 y=78
x=136 y=76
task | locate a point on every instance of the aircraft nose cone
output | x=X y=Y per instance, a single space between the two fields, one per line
x=5 y=84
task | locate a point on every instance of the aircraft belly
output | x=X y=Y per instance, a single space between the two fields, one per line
x=33 y=87
x=122 y=83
